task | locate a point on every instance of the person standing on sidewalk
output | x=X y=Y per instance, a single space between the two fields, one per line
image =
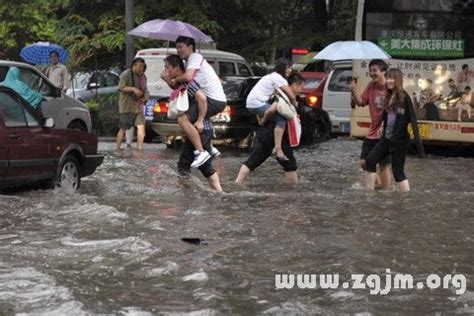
x=133 y=93
x=57 y=72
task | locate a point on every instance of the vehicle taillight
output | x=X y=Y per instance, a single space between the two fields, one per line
x=229 y=110
x=312 y=100
x=161 y=107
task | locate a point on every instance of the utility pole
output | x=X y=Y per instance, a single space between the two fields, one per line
x=129 y=48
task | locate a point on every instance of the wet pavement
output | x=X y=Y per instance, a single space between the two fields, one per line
x=116 y=246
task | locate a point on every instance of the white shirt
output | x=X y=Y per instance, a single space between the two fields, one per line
x=58 y=75
x=206 y=77
x=263 y=90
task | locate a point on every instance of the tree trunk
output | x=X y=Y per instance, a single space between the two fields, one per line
x=321 y=16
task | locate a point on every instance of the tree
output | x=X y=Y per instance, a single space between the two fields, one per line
x=24 y=23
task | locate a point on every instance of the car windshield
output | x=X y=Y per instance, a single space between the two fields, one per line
x=232 y=88
x=311 y=83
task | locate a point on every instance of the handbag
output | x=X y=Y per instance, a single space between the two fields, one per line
x=284 y=106
x=179 y=103
x=294 y=131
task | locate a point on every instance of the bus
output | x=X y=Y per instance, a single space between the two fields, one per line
x=431 y=42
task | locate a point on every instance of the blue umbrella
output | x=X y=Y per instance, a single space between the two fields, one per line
x=38 y=53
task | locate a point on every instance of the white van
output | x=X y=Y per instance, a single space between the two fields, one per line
x=337 y=96
x=225 y=64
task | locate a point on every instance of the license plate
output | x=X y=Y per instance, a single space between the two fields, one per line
x=345 y=127
x=148 y=108
x=423 y=128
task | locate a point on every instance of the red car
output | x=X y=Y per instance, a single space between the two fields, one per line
x=32 y=152
x=313 y=87
x=315 y=121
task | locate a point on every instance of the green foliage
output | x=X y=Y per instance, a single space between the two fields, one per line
x=93 y=31
x=26 y=22
x=93 y=105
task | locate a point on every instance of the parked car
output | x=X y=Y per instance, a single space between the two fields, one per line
x=87 y=85
x=237 y=123
x=315 y=123
x=33 y=152
x=66 y=111
x=234 y=123
x=337 y=97
x=224 y=63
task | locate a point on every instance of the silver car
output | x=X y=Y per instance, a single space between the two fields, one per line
x=66 y=111
x=88 y=85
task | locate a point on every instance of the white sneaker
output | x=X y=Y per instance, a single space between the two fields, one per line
x=214 y=152
x=200 y=157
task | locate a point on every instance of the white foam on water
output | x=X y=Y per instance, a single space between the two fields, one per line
x=200 y=276
x=202 y=312
x=8 y=236
x=293 y=308
x=342 y=294
x=168 y=268
x=133 y=311
x=35 y=293
x=92 y=212
x=97 y=244
x=155 y=225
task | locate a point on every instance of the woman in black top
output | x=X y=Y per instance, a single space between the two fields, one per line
x=398 y=113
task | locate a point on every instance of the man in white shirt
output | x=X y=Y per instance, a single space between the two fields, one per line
x=199 y=70
x=57 y=72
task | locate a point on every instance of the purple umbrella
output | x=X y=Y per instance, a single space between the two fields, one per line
x=169 y=30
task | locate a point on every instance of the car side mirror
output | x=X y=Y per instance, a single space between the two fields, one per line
x=56 y=92
x=48 y=122
x=93 y=85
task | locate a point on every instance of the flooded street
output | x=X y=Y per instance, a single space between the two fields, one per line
x=116 y=246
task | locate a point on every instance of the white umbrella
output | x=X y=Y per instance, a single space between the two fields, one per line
x=352 y=50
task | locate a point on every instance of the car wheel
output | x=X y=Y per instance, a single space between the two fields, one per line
x=149 y=138
x=77 y=124
x=68 y=176
x=323 y=126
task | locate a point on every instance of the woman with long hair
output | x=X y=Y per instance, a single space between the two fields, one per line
x=398 y=113
x=259 y=101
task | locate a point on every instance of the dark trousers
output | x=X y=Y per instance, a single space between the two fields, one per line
x=397 y=151
x=187 y=156
x=264 y=143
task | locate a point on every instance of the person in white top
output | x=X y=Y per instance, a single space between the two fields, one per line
x=201 y=73
x=57 y=72
x=258 y=101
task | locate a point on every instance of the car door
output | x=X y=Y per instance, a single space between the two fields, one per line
x=52 y=106
x=337 y=98
x=29 y=146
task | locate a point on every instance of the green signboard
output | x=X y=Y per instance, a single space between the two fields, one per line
x=442 y=48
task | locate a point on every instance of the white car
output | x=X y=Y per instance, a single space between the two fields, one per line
x=337 y=97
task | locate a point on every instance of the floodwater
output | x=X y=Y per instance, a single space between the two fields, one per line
x=116 y=246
